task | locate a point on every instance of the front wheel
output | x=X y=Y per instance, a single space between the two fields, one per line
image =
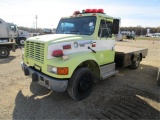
x=81 y=84
x=4 y=52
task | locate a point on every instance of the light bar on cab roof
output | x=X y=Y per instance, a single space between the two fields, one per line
x=89 y=11
x=94 y=11
x=100 y=11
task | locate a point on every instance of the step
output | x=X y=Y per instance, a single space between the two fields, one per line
x=108 y=70
x=109 y=74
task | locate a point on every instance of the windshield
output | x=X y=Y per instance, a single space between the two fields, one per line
x=78 y=25
x=12 y=26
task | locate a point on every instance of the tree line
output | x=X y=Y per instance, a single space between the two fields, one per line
x=137 y=30
x=33 y=30
x=141 y=30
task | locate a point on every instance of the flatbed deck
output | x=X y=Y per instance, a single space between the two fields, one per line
x=125 y=55
x=127 y=49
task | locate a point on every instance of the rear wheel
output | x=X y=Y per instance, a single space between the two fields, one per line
x=4 y=52
x=135 y=64
x=81 y=84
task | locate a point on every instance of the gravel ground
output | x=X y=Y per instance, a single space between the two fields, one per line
x=132 y=94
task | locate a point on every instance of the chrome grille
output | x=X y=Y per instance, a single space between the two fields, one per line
x=35 y=51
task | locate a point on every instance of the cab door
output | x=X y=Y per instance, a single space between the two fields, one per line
x=105 y=42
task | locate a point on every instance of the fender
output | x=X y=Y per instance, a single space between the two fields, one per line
x=72 y=63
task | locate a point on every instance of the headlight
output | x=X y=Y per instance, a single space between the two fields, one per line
x=54 y=70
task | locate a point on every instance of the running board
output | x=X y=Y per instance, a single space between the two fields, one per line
x=109 y=74
x=108 y=71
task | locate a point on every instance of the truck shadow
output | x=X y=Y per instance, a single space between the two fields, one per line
x=111 y=99
x=125 y=40
x=121 y=41
x=130 y=103
x=7 y=60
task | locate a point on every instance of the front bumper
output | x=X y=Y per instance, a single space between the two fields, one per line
x=44 y=80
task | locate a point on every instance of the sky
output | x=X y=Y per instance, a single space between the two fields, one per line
x=145 y=13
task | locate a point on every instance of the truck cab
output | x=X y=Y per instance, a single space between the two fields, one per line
x=8 y=31
x=81 y=53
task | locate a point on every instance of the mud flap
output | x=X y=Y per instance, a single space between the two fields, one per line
x=34 y=77
x=26 y=72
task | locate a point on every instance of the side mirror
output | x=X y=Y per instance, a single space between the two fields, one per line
x=115 y=27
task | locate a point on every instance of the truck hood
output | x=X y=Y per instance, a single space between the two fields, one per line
x=54 y=38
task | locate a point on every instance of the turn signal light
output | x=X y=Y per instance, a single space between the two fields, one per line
x=62 y=71
x=57 y=53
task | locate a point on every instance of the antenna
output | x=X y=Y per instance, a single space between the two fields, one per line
x=36 y=24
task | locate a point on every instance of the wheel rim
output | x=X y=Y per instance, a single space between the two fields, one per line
x=85 y=84
x=22 y=42
x=3 y=52
x=137 y=61
x=158 y=77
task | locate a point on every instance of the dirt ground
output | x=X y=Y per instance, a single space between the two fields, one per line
x=132 y=94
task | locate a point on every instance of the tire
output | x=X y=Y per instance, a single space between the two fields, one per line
x=21 y=41
x=158 y=77
x=4 y=52
x=81 y=84
x=135 y=64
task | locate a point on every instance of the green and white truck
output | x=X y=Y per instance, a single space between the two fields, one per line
x=81 y=53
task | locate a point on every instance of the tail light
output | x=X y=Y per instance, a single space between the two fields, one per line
x=57 y=53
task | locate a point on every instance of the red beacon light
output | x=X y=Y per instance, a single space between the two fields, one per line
x=94 y=11
x=88 y=11
x=76 y=12
x=100 y=11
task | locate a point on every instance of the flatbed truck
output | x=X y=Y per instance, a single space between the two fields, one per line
x=82 y=52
